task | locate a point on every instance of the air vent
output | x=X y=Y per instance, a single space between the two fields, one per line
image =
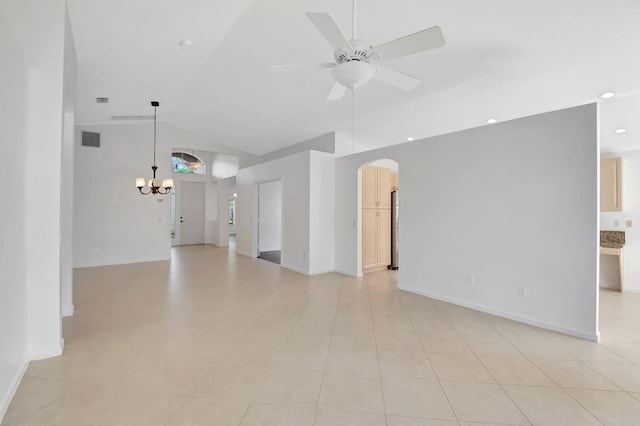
x=102 y=100
x=91 y=139
x=131 y=117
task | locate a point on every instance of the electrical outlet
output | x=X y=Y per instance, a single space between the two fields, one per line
x=470 y=279
x=616 y=223
x=629 y=223
x=522 y=290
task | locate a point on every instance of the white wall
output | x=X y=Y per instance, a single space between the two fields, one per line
x=631 y=206
x=66 y=201
x=270 y=215
x=113 y=223
x=32 y=35
x=294 y=173
x=510 y=204
x=321 y=213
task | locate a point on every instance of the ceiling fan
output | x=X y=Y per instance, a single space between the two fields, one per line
x=357 y=62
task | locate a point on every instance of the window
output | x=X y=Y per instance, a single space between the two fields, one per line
x=187 y=163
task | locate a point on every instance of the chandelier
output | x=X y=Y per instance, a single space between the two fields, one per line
x=154 y=185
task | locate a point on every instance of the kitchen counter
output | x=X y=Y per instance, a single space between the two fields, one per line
x=612 y=243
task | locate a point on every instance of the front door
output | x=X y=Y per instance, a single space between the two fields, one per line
x=191 y=219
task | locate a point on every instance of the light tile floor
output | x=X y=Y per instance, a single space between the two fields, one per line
x=212 y=338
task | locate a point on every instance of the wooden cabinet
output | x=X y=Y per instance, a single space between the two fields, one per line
x=377 y=184
x=376 y=187
x=611 y=184
x=396 y=181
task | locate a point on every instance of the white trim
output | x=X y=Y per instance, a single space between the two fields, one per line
x=48 y=353
x=323 y=271
x=349 y=273
x=70 y=312
x=632 y=289
x=293 y=268
x=594 y=337
x=13 y=387
x=244 y=253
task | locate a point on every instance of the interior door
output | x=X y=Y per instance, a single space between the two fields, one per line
x=191 y=220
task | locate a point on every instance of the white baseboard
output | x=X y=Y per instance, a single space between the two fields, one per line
x=293 y=268
x=13 y=387
x=349 y=273
x=244 y=253
x=322 y=271
x=69 y=312
x=632 y=289
x=594 y=337
x=49 y=353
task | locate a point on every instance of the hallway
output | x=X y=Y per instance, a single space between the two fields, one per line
x=215 y=338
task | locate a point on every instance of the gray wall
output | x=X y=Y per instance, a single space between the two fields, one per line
x=512 y=204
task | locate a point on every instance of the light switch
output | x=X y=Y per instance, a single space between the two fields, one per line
x=616 y=223
x=629 y=223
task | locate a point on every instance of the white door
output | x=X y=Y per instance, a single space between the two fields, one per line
x=191 y=219
x=270 y=216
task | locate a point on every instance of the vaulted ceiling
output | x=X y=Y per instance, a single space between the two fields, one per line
x=503 y=59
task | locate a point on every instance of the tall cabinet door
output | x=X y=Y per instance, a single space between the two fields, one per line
x=369 y=187
x=384 y=238
x=369 y=239
x=385 y=183
x=611 y=185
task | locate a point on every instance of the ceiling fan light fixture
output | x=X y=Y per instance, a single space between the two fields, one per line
x=354 y=74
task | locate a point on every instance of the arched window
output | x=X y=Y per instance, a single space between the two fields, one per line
x=188 y=163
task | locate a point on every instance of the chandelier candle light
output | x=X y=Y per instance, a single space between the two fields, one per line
x=154 y=186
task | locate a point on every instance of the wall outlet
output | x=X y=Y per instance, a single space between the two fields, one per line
x=629 y=223
x=522 y=290
x=616 y=223
x=470 y=279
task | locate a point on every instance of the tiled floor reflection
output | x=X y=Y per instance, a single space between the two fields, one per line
x=212 y=338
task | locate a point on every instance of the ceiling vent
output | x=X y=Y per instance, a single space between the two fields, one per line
x=131 y=117
x=102 y=100
x=91 y=139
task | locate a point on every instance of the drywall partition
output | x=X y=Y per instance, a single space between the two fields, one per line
x=66 y=201
x=492 y=209
x=113 y=223
x=631 y=206
x=324 y=143
x=13 y=245
x=294 y=173
x=321 y=212
x=32 y=35
x=270 y=216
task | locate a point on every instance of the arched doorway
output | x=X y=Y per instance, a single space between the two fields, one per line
x=378 y=215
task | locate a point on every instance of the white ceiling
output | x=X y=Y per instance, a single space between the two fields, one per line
x=503 y=59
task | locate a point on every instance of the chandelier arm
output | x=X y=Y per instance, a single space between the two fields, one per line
x=145 y=193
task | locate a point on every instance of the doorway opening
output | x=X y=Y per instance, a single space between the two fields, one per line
x=270 y=221
x=379 y=216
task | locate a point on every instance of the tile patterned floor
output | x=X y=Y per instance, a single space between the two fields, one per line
x=212 y=338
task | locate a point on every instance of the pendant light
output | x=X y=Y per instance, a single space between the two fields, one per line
x=154 y=185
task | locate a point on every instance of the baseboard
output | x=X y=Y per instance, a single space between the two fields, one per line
x=244 y=253
x=349 y=273
x=632 y=289
x=13 y=387
x=50 y=353
x=69 y=312
x=293 y=268
x=594 y=337
x=322 y=271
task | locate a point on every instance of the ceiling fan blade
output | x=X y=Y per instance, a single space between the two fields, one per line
x=337 y=92
x=428 y=39
x=329 y=29
x=397 y=79
x=293 y=67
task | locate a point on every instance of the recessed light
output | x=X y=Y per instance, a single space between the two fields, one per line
x=186 y=43
x=410 y=139
x=620 y=131
x=492 y=121
x=607 y=95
